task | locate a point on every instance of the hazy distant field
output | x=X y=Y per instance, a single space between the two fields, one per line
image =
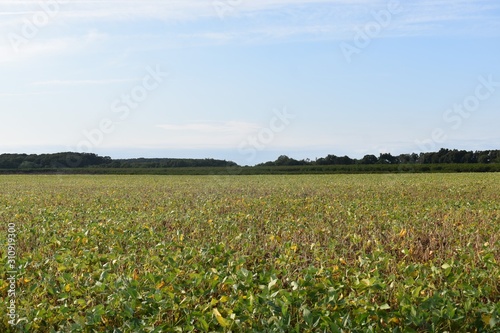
x=359 y=253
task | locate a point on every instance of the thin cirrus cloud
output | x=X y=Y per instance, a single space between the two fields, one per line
x=31 y=93
x=234 y=127
x=331 y=18
x=191 y=23
x=83 y=82
x=197 y=135
x=39 y=47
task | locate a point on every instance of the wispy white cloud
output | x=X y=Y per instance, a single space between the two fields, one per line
x=199 y=135
x=17 y=13
x=256 y=21
x=83 y=82
x=259 y=22
x=38 y=47
x=31 y=93
x=213 y=127
x=302 y=13
x=173 y=9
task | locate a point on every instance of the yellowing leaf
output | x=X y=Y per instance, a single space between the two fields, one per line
x=224 y=299
x=67 y=288
x=486 y=319
x=367 y=282
x=160 y=285
x=62 y=268
x=223 y=322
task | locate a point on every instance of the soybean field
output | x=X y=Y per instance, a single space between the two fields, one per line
x=262 y=253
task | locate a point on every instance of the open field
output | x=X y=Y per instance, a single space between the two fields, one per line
x=268 y=170
x=304 y=253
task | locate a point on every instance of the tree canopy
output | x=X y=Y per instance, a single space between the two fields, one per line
x=71 y=160
x=442 y=156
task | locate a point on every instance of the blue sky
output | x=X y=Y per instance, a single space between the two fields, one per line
x=249 y=80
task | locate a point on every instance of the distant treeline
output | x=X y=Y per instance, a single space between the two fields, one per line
x=442 y=161
x=51 y=161
x=72 y=160
x=443 y=156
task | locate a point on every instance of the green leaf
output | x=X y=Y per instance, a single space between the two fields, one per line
x=204 y=324
x=272 y=283
x=385 y=307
